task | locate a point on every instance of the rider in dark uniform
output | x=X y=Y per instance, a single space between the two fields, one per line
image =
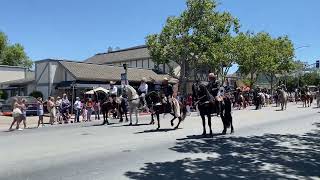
x=213 y=88
x=257 y=98
x=167 y=91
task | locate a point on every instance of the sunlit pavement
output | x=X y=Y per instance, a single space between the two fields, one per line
x=267 y=144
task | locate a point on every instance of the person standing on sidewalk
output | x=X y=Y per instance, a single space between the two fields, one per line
x=96 y=107
x=58 y=110
x=77 y=108
x=40 y=112
x=89 y=106
x=51 y=109
x=16 y=114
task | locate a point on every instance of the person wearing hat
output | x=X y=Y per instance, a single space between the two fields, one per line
x=143 y=90
x=113 y=90
x=77 y=108
x=167 y=92
x=213 y=85
x=213 y=88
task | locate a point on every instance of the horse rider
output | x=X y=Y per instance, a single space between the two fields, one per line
x=113 y=91
x=213 y=88
x=167 y=91
x=143 y=90
x=283 y=87
x=257 y=98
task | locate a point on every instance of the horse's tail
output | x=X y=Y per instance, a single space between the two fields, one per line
x=183 y=112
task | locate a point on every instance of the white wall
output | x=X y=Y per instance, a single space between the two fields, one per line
x=11 y=73
x=41 y=77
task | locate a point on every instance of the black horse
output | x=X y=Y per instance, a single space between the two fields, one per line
x=157 y=105
x=207 y=105
x=109 y=106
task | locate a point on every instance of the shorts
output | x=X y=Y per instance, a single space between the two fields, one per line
x=40 y=112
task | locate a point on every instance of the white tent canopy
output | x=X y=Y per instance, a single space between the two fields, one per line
x=99 y=89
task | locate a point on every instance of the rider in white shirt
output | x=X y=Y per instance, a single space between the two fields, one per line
x=113 y=91
x=143 y=90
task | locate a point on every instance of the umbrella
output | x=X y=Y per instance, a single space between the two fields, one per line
x=99 y=89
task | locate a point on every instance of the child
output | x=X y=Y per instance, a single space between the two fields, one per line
x=226 y=113
x=84 y=113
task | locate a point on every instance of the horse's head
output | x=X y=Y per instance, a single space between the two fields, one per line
x=153 y=97
x=130 y=92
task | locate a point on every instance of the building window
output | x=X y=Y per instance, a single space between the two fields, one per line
x=151 y=64
x=139 y=63
x=145 y=64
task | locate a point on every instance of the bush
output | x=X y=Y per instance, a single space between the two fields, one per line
x=36 y=94
x=3 y=95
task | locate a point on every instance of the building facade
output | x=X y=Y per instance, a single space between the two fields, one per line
x=16 y=80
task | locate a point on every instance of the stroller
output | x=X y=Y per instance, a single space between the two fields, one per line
x=64 y=111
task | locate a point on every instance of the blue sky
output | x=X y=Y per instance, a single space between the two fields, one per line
x=78 y=29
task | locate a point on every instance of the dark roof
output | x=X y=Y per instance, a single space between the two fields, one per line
x=19 y=81
x=97 y=72
x=137 y=52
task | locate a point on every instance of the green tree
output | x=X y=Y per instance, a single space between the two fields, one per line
x=250 y=55
x=191 y=38
x=13 y=55
x=278 y=58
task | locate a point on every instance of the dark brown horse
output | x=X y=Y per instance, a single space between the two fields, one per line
x=159 y=105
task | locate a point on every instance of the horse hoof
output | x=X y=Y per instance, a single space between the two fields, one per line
x=224 y=133
x=130 y=124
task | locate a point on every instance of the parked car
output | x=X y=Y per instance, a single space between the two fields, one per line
x=2 y=101
x=32 y=105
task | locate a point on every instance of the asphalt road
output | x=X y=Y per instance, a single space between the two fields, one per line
x=267 y=144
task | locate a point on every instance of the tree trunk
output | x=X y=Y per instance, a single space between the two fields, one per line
x=271 y=81
x=251 y=80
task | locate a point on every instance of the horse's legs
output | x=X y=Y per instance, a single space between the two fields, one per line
x=130 y=116
x=152 y=119
x=209 y=123
x=136 y=113
x=105 y=117
x=231 y=124
x=180 y=119
x=203 y=124
x=172 y=124
x=158 y=119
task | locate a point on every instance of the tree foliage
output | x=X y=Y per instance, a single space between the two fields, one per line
x=204 y=37
x=13 y=54
x=191 y=38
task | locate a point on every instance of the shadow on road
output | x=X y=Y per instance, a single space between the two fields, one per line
x=157 y=130
x=271 y=156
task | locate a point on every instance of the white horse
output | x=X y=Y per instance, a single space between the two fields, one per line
x=133 y=101
x=283 y=98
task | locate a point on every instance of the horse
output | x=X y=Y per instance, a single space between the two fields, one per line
x=133 y=101
x=106 y=107
x=306 y=99
x=283 y=99
x=226 y=116
x=206 y=104
x=159 y=105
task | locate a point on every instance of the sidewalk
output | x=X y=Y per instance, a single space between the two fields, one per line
x=32 y=121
